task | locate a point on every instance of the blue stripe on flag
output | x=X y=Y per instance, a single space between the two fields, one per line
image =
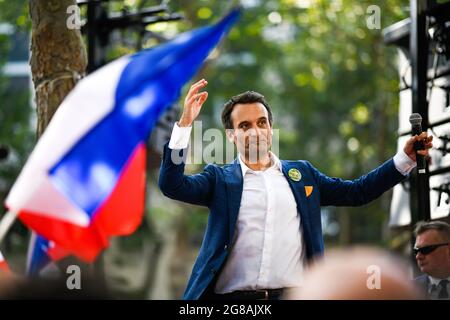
x=38 y=257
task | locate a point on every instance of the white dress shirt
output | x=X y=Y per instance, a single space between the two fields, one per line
x=267 y=250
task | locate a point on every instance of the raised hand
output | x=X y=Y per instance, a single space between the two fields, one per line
x=193 y=103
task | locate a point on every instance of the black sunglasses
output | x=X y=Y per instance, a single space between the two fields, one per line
x=429 y=249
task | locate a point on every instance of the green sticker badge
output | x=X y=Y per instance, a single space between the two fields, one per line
x=294 y=174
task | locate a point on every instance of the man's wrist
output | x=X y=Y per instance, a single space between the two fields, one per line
x=403 y=162
x=183 y=123
x=180 y=137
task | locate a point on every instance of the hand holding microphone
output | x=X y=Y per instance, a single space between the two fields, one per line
x=417 y=146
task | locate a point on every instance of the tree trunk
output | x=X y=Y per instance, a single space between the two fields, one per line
x=58 y=56
x=58 y=61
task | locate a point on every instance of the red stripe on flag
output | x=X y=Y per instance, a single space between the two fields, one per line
x=56 y=252
x=121 y=214
x=4 y=266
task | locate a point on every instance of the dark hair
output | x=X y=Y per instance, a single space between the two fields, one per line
x=243 y=98
x=440 y=226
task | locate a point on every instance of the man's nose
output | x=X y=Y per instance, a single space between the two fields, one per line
x=254 y=131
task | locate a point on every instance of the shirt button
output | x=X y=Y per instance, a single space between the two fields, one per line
x=225 y=248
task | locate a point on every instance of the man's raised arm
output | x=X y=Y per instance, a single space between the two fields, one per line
x=195 y=189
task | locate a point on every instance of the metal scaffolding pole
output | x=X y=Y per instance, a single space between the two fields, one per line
x=420 y=194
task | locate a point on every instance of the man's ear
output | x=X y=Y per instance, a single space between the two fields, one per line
x=230 y=135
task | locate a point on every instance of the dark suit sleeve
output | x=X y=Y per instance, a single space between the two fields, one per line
x=195 y=189
x=339 y=192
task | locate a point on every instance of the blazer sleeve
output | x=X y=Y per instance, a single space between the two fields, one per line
x=339 y=192
x=195 y=189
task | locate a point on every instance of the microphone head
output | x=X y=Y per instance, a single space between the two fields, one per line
x=415 y=119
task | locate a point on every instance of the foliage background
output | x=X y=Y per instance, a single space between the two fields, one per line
x=331 y=82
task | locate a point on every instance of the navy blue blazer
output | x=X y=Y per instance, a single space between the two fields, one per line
x=220 y=189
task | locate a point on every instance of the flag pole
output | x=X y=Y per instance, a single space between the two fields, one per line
x=6 y=223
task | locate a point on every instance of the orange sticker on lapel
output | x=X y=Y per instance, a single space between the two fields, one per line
x=308 y=190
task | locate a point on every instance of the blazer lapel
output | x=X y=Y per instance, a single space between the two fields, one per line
x=234 y=185
x=298 y=189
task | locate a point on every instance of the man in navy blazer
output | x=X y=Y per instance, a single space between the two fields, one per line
x=264 y=223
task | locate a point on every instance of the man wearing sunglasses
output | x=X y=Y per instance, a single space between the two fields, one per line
x=432 y=250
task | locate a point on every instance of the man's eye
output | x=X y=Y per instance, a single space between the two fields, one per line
x=243 y=126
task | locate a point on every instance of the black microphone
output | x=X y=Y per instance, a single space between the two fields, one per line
x=416 y=127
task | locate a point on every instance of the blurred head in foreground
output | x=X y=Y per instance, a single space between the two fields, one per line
x=16 y=287
x=357 y=274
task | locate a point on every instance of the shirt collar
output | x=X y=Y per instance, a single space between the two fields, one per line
x=436 y=281
x=276 y=164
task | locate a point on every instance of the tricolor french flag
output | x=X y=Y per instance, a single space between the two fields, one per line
x=84 y=181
